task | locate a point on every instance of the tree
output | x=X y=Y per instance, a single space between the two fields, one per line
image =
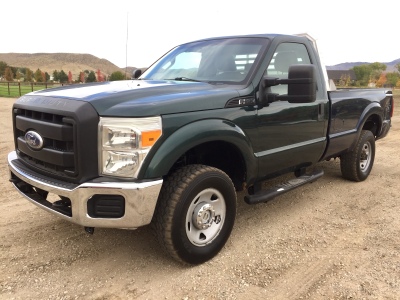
x=398 y=67
x=47 y=76
x=368 y=72
x=82 y=77
x=392 y=78
x=69 y=77
x=344 y=80
x=378 y=66
x=100 y=77
x=3 y=66
x=14 y=71
x=38 y=76
x=62 y=77
x=382 y=80
x=28 y=75
x=18 y=75
x=376 y=70
x=362 y=73
x=8 y=74
x=56 y=76
x=117 y=75
x=91 y=77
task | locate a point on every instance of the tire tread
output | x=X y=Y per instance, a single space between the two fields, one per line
x=168 y=200
x=349 y=161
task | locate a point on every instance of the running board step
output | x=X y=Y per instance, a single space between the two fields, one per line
x=266 y=195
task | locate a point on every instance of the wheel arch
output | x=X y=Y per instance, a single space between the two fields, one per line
x=373 y=123
x=371 y=119
x=215 y=142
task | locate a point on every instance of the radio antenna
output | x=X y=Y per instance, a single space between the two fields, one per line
x=126 y=46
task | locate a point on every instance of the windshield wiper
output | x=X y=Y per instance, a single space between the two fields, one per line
x=184 y=79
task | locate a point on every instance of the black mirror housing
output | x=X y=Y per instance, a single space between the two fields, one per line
x=137 y=73
x=302 y=86
x=306 y=91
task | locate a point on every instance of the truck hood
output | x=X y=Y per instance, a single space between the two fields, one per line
x=146 y=97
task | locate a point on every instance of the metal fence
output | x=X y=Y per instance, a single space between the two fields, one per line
x=17 y=89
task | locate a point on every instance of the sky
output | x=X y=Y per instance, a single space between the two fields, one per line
x=136 y=33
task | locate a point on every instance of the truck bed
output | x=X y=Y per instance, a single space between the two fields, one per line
x=350 y=108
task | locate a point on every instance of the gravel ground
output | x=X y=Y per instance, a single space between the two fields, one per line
x=332 y=239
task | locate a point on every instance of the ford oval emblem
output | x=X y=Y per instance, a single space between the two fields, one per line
x=34 y=140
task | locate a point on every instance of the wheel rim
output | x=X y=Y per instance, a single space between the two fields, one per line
x=365 y=157
x=205 y=217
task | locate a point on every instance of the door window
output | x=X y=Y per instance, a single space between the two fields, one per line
x=286 y=55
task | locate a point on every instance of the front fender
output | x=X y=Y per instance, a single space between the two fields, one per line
x=194 y=134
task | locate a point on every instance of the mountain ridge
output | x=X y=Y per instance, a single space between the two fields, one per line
x=74 y=62
x=390 y=66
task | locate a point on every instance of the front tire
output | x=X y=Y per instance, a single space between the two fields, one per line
x=356 y=165
x=195 y=213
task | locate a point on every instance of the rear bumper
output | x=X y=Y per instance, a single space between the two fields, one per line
x=138 y=198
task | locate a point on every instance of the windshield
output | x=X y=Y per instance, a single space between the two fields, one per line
x=221 y=60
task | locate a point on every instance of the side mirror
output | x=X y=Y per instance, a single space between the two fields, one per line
x=137 y=73
x=302 y=86
x=306 y=90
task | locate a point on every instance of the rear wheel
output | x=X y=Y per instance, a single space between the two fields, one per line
x=195 y=213
x=356 y=165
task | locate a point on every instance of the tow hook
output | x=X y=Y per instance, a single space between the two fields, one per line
x=89 y=230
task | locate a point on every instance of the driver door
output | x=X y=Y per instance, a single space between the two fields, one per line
x=291 y=135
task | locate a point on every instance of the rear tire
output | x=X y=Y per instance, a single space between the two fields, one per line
x=356 y=165
x=195 y=213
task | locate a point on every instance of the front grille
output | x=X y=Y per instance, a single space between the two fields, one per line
x=58 y=155
x=56 y=137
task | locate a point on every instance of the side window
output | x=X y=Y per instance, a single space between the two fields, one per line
x=185 y=64
x=286 y=54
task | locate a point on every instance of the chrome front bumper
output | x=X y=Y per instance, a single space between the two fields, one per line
x=140 y=197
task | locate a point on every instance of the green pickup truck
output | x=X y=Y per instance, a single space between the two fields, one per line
x=172 y=146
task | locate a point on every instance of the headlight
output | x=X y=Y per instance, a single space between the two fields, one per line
x=124 y=143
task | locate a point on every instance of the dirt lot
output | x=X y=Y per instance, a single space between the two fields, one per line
x=331 y=239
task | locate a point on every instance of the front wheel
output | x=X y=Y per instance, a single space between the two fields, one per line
x=357 y=164
x=195 y=213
